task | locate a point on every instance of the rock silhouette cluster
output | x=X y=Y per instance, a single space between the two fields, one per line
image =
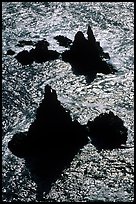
x=86 y=56
x=53 y=138
x=54 y=131
x=38 y=54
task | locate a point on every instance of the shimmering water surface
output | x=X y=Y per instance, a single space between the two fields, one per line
x=92 y=176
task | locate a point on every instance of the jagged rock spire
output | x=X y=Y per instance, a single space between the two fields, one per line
x=91 y=37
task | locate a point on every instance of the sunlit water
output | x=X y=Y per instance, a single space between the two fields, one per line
x=23 y=88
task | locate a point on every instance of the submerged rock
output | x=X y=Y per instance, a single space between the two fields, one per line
x=22 y=43
x=107 y=131
x=63 y=41
x=86 y=56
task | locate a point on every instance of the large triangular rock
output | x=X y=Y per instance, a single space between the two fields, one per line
x=52 y=131
x=51 y=142
x=86 y=56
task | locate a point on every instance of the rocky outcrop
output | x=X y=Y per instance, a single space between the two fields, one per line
x=51 y=142
x=86 y=56
x=54 y=131
x=63 y=41
x=18 y=143
x=107 y=131
x=38 y=54
x=24 y=57
x=53 y=136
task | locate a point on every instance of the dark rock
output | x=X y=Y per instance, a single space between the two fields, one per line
x=54 y=128
x=17 y=144
x=53 y=55
x=107 y=131
x=10 y=52
x=51 y=141
x=63 y=41
x=42 y=45
x=86 y=56
x=41 y=52
x=38 y=54
x=24 y=57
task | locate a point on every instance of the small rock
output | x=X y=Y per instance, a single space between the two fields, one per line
x=24 y=57
x=38 y=54
x=107 y=131
x=18 y=144
x=63 y=41
x=10 y=52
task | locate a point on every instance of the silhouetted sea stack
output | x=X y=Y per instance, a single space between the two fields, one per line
x=107 y=131
x=86 y=56
x=53 y=138
x=52 y=133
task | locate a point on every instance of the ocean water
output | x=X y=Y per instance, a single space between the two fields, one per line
x=92 y=175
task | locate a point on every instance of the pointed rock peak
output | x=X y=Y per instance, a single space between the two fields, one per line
x=79 y=36
x=90 y=34
x=47 y=89
x=49 y=92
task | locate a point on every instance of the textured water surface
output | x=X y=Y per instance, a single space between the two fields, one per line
x=92 y=175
